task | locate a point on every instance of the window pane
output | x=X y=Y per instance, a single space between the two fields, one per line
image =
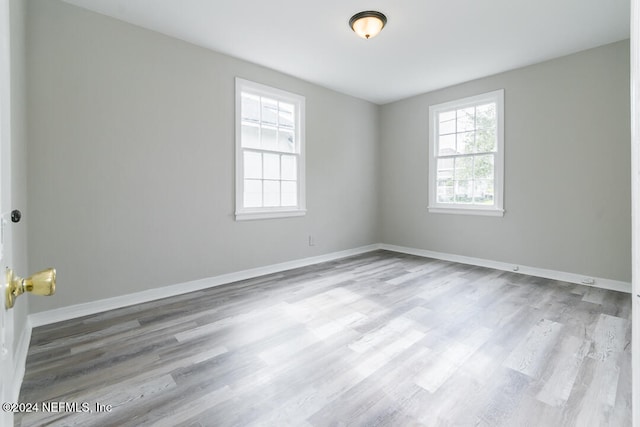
x=483 y=192
x=447 y=145
x=250 y=136
x=445 y=168
x=447 y=115
x=466 y=142
x=271 y=193
x=289 y=168
x=287 y=116
x=445 y=194
x=463 y=168
x=483 y=167
x=250 y=108
x=271 y=166
x=269 y=139
x=466 y=119
x=252 y=193
x=447 y=123
x=289 y=193
x=269 y=111
x=286 y=141
x=464 y=191
x=486 y=140
x=252 y=165
x=485 y=116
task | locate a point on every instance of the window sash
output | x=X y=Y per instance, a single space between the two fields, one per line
x=445 y=204
x=284 y=176
x=276 y=196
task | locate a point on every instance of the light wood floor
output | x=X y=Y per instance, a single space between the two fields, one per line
x=377 y=339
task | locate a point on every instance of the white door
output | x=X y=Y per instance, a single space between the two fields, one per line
x=6 y=316
x=635 y=200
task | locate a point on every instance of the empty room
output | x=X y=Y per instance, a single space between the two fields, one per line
x=362 y=213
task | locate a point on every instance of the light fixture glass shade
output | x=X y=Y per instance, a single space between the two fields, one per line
x=368 y=24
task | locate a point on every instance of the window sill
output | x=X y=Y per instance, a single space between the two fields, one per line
x=251 y=215
x=467 y=211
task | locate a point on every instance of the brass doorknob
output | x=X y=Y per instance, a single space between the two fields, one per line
x=42 y=283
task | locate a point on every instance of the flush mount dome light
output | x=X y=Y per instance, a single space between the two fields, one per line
x=367 y=24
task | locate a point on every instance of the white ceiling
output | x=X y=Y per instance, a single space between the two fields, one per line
x=426 y=45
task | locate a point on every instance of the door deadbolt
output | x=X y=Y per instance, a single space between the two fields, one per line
x=16 y=215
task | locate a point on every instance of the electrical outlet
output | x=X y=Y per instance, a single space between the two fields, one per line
x=312 y=241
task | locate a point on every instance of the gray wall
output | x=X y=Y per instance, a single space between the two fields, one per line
x=131 y=175
x=18 y=231
x=567 y=168
x=131 y=161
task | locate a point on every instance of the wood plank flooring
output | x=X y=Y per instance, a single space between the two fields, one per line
x=377 y=339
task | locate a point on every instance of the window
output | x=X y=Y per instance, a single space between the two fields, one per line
x=466 y=141
x=269 y=152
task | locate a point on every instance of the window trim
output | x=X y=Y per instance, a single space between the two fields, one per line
x=497 y=209
x=242 y=213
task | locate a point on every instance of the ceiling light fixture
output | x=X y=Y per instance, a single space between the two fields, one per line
x=367 y=24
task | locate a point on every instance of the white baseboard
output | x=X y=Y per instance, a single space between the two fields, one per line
x=20 y=361
x=93 y=307
x=79 y=310
x=597 y=282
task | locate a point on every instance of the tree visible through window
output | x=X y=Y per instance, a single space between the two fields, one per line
x=465 y=147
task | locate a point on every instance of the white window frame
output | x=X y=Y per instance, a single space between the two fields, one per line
x=298 y=101
x=497 y=209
